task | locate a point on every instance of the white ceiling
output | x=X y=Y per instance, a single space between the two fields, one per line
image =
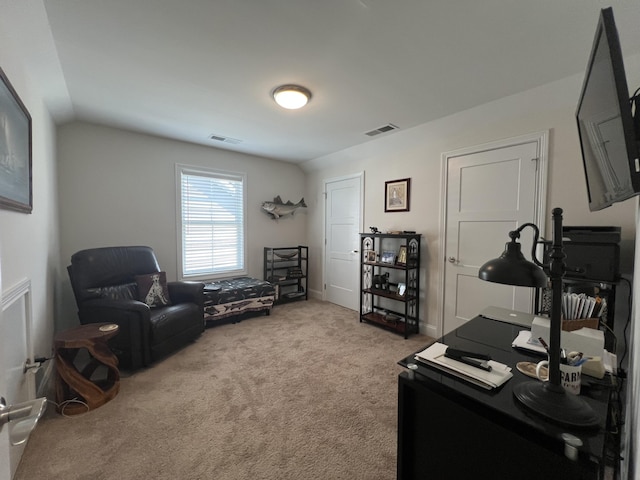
x=187 y=69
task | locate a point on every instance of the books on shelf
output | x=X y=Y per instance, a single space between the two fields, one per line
x=276 y=278
x=293 y=294
x=577 y=306
x=294 y=272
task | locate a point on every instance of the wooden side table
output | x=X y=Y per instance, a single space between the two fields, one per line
x=72 y=383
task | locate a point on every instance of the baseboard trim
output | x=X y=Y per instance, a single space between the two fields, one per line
x=429 y=330
x=316 y=294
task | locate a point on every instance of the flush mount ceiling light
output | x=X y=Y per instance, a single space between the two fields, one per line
x=291 y=96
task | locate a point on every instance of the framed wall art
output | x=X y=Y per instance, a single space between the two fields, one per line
x=15 y=150
x=396 y=195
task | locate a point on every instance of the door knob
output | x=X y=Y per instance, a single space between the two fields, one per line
x=25 y=415
x=453 y=260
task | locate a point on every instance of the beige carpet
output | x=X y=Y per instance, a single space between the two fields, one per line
x=306 y=393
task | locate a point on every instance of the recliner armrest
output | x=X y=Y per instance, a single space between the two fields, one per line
x=127 y=314
x=133 y=318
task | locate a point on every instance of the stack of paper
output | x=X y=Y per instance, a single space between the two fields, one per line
x=526 y=341
x=434 y=356
x=576 y=305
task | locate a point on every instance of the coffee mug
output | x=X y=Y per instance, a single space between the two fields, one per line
x=570 y=376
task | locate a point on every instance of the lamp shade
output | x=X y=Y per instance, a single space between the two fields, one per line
x=291 y=97
x=512 y=268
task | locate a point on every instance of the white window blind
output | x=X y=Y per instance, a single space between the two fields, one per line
x=212 y=215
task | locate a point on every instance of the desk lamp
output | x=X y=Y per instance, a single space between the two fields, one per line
x=547 y=399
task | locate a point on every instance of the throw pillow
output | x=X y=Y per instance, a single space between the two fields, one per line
x=153 y=290
x=127 y=291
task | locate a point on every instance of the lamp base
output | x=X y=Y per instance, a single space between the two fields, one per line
x=551 y=401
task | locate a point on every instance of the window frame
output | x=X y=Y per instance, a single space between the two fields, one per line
x=182 y=169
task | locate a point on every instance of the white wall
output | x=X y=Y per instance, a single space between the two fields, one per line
x=417 y=153
x=118 y=188
x=630 y=444
x=29 y=245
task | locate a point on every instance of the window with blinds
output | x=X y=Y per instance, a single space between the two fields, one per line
x=212 y=223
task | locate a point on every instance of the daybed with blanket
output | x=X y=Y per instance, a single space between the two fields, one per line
x=232 y=299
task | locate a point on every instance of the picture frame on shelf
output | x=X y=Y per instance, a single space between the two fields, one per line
x=402 y=289
x=16 y=188
x=370 y=256
x=396 y=195
x=388 y=257
x=402 y=255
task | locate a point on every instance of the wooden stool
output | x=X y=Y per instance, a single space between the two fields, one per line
x=72 y=383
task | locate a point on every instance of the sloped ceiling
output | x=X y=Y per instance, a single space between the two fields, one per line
x=190 y=69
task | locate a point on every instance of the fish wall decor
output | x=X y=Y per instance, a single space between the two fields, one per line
x=278 y=209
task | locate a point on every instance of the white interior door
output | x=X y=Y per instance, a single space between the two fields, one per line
x=16 y=386
x=490 y=192
x=343 y=224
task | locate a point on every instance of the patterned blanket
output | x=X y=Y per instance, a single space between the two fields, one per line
x=228 y=298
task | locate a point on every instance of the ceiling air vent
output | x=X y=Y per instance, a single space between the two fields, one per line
x=220 y=138
x=386 y=128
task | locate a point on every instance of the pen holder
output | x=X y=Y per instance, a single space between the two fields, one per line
x=570 y=376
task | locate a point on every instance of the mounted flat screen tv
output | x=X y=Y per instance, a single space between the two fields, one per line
x=609 y=135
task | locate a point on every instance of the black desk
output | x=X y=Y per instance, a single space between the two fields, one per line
x=451 y=429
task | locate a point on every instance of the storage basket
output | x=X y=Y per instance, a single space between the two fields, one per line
x=571 y=325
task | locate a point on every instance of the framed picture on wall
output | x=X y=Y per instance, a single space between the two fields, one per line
x=396 y=195
x=15 y=150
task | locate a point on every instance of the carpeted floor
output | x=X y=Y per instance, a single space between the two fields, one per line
x=305 y=393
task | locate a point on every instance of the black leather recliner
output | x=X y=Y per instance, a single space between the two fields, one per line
x=105 y=288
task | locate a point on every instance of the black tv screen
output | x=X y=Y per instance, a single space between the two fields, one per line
x=605 y=122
